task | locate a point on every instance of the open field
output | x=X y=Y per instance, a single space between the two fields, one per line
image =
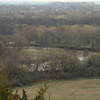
x=81 y=89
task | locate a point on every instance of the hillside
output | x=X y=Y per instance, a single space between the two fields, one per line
x=83 y=89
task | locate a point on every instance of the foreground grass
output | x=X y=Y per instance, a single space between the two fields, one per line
x=84 y=89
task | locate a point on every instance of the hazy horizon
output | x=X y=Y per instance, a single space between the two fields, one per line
x=21 y=1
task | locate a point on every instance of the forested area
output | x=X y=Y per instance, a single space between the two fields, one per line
x=70 y=24
x=65 y=24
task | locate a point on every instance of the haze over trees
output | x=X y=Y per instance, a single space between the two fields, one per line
x=22 y=27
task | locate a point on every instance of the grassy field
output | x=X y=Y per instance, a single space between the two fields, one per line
x=81 y=89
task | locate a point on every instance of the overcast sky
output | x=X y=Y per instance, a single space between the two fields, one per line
x=47 y=0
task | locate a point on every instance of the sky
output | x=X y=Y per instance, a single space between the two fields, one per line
x=49 y=0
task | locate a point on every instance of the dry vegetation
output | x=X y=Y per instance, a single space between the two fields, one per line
x=83 y=89
x=54 y=25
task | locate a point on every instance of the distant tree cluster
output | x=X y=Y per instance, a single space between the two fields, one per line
x=70 y=35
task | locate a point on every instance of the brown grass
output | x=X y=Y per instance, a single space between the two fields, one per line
x=86 y=89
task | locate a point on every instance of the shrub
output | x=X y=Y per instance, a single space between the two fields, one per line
x=93 y=65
